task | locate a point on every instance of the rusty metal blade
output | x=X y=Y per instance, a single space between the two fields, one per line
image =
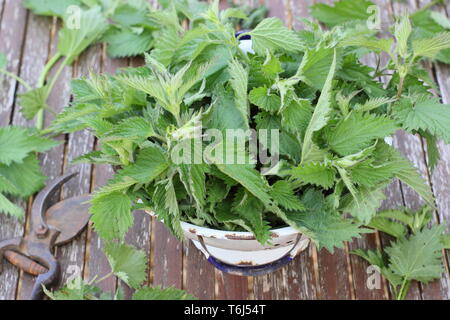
x=69 y=216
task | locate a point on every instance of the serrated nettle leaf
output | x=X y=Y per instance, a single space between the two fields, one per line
x=315 y=67
x=376 y=45
x=321 y=114
x=424 y=113
x=111 y=214
x=402 y=31
x=22 y=179
x=343 y=11
x=17 y=143
x=9 y=208
x=239 y=80
x=127 y=263
x=419 y=256
x=318 y=174
x=365 y=207
x=76 y=36
x=123 y=43
x=273 y=35
x=52 y=8
x=430 y=47
x=263 y=98
x=33 y=101
x=358 y=131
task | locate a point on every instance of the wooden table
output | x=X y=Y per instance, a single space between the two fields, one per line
x=29 y=40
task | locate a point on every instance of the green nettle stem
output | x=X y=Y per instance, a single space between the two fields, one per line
x=18 y=79
x=41 y=82
x=403 y=290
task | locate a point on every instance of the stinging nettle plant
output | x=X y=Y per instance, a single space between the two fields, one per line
x=331 y=111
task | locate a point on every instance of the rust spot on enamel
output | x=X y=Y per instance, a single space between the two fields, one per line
x=245 y=263
x=236 y=237
x=274 y=235
x=192 y=231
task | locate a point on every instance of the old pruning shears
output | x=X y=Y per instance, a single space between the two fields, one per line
x=50 y=226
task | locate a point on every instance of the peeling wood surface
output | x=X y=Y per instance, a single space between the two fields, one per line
x=29 y=41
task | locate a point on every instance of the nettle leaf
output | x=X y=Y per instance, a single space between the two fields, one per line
x=127 y=263
x=111 y=214
x=285 y=196
x=150 y=163
x=250 y=209
x=161 y=294
x=377 y=45
x=430 y=47
x=129 y=15
x=10 y=208
x=73 y=40
x=239 y=81
x=366 y=204
x=342 y=11
x=326 y=227
x=318 y=174
x=402 y=31
x=16 y=143
x=296 y=115
x=22 y=179
x=248 y=177
x=33 y=101
x=124 y=43
x=320 y=116
x=358 y=131
x=267 y=101
x=419 y=256
x=57 y=8
x=224 y=114
x=425 y=113
x=315 y=67
x=273 y=35
x=133 y=128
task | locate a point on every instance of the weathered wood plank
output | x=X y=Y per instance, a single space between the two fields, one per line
x=35 y=54
x=439 y=178
x=167 y=257
x=12 y=32
x=198 y=273
x=412 y=147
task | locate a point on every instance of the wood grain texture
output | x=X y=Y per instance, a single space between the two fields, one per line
x=12 y=32
x=12 y=35
x=167 y=257
x=412 y=147
x=34 y=58
x=199 y=274
x=439 y=178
